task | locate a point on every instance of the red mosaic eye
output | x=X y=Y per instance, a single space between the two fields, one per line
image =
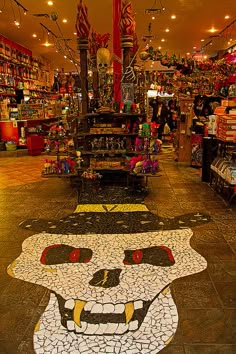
x=74 y=255
x=43 y=256
x=168 y=251
x=137 y=256
x=126 y=262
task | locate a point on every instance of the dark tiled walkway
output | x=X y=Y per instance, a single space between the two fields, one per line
x=206 y=301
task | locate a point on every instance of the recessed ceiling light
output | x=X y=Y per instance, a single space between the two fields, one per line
x=194 y=47
x=188 y=53
x=173 y=17
x=64 y=20
x=50 y=3
x=162 y=40
x=47 y=44
x=34 y=35
x=227 y=17
x=205 y=57
x=159 y=48
x=65 y=56
x=202 y=40
x=75 y=33
x=212 y=30
x=167 y=30
x=153 y=17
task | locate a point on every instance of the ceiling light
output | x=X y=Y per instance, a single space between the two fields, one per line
x=34 y=35
x=205 y=57
x=47 y=44
x=162 y=40
x=227 y=17
x=167 y=30
x=75 y=33
x=173 y=17
x=188 y=53
x=64 y=20
x=202 y=40
x=153 y=17
x=0 y=11
x=65 y=56
x=50 y=3
x=159 y=48
x=17 y=23
x=212 y=30
x=194 y=47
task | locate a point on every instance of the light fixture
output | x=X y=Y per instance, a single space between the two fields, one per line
x=47 y=44
x=202 y=40
x=64 y=20
x=153 y=17
x=17 y=23
x=212 y=30
x=162 y=40
x=75 y=33
x=173 y=17
x=227 y=17
x=50 y=3
x=167 y=30
x=34 y=35
x=159 y=48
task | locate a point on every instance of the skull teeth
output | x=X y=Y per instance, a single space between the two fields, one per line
x=129 y=311
x=94 y=307
x=102 y=328
x=79 y=305
x=78 y=326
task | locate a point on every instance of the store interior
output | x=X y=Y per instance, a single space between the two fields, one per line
x=117 y=177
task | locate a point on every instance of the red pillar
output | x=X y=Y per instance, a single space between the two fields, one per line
x=117 y=67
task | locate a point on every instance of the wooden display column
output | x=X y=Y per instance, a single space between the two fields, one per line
x=126 y=44
x=95 y=77
x=127 y=30
x=83 y=48
x=83 y=29
x=117 y=68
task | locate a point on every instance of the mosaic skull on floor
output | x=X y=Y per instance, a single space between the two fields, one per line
x=108 y=266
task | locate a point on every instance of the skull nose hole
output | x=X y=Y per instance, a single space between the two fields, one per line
x=106 y=278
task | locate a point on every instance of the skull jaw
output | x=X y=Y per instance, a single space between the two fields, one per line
x=156 y=331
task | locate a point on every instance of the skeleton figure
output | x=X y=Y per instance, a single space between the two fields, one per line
x=109 y=292
x=103 y=61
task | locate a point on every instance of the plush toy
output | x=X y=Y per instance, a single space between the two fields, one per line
x=133 y=161
x=138 y=144
x=146 y=167
x=138 y=167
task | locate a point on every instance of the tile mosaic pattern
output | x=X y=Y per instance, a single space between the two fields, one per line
x=108 y=267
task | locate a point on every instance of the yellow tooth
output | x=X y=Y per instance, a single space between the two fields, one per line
x=165 y=291
x=10 y=269
x=49 y=270
x=129 y=311
x=79 y=305
x=169 y=340
x=37 y=327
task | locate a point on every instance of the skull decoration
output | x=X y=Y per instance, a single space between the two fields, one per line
x=103 y=60
x=109 y=292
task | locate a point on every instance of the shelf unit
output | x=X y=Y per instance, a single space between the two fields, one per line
x=105 y=138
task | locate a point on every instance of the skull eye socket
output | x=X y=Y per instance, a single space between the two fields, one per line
x=59 y=254
x=157 y=256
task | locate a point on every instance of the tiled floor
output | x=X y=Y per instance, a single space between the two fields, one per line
x=205 y=301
